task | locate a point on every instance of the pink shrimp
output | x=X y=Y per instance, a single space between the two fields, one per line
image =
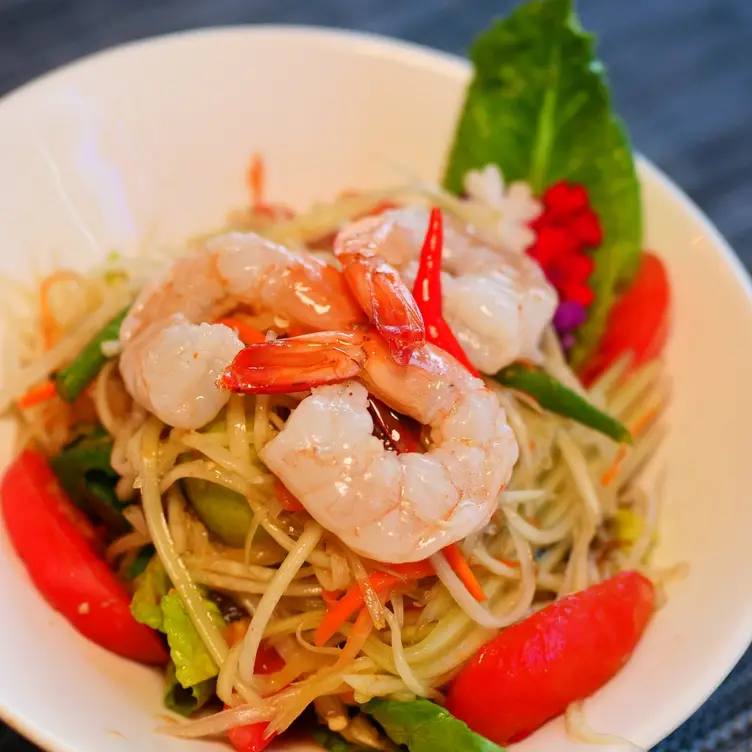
x=382 y=294
x=389 y=507
x=173 y=353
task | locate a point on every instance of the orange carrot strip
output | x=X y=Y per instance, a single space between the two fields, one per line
x=357 y=639
x=643 y=421
x=37 y=394
x=381 y=582
x=461 y=568
x=235 y=631
x=256 y=178
x=331 y=597
x=635 y=429
x=614 y=467
x=248 y=334
x=50 y=328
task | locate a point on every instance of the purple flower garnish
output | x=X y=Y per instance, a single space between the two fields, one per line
x=569 y=315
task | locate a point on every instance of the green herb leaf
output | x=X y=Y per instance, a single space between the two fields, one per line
x=84 y=471
x=423 y=726
x=151 y=587
x=186 y=700
x=333 y=742
x=74 y=378
x=193 y=663
x=539 y=107
x=552 y=395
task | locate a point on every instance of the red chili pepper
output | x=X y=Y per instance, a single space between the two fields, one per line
x=427 y=292
x=251 y=738
x=533 y=670
x=56 y=543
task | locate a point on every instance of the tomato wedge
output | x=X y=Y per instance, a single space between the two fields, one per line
x=56 y=542
x=532 y=671
x=251 y=738
x=638 y=322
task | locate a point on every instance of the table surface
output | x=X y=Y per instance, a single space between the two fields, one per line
x=681 y=71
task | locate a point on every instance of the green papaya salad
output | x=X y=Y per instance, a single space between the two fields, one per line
x=337 y=472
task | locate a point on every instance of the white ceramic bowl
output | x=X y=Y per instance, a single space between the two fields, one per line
x=148 y=144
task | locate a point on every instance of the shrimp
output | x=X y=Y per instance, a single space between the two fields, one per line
x=383 y=296
x=496 y=302
x=385 y=506
x=172 y=355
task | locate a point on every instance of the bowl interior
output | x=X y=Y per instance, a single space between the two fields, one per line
x=145 y=145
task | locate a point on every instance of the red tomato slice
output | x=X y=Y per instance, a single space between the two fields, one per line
x=532 y=671
x=268 y=660
x=638 y=322
x=251 y=738
x=55 y=542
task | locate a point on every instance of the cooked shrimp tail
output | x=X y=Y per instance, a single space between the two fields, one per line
x=382 y=295
x=295 y=364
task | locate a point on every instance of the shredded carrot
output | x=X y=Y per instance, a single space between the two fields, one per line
x=235 y=631
x=256 y=178
x=37 y=394
x=357 y=639
x=643 y=421
x=461 y=568
x=635 y=429
x=248 y=334
x=382 y=583
x=510 y=562
x=614 y=467
x=330 y=597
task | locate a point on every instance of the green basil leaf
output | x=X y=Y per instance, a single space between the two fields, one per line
x=423 y=726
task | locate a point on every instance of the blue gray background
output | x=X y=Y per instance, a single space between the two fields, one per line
x=681 y=71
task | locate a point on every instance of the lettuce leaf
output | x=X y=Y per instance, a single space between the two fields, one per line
x=151 y=587
x=186 y=700
x=155 y=604
x=193 y=663
x=423 y=726
x=539 y=107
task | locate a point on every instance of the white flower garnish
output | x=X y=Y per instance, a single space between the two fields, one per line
x=515 y=203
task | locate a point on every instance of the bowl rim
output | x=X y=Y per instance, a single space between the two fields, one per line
x=441 y=64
